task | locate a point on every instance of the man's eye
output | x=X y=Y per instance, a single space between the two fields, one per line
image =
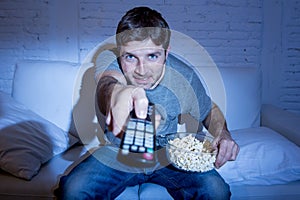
x=129 y=57
x=152 y=57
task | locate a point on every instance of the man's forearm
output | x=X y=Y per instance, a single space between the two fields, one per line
x=215 y=122
x=104 y=91
x=227 y=148
x=115 y=100
x=106 y=83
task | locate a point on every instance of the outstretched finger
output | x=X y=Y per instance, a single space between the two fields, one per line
x=140 y=102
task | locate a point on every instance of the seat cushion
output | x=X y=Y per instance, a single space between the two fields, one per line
x=43 y=184
x=265 y=158
x=27 y=140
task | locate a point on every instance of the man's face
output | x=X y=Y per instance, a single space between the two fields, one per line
x=142 y=62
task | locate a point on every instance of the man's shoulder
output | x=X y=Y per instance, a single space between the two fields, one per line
x=107 y=60
x=179 y=64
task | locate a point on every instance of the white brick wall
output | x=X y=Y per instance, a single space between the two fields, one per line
x=281 y=54
x=231 y=31
x=36 y=29
x=290 y=91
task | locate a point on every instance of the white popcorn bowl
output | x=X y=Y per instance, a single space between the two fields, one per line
x=190 y=159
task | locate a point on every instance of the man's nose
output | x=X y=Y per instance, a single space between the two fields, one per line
x=141 y=68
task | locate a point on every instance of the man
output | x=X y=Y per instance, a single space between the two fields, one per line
x=145 y=71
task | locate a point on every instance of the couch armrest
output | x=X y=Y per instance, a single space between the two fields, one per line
x=284 y=122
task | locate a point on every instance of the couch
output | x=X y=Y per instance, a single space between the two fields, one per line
x=48 y=125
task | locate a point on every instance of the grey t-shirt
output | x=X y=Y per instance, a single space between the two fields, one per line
x=180 y=92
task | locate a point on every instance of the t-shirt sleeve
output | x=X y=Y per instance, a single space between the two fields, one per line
x=105 y=61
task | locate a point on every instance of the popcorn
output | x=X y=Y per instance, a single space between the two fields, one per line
x=190 y=154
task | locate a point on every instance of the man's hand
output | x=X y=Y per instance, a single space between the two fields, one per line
x=228 y=149
x=123 y=100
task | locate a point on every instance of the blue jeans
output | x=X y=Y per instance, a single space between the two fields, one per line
x=101 y=176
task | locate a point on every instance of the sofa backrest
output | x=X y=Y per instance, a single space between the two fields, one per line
x=236 y=90
x=63 y=93
x=242 y=98
x=46 y=87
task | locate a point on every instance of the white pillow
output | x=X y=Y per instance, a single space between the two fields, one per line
x=27 y=140
x=47 y=88
x=243 y=96
x=265 y=158
x=240 y=95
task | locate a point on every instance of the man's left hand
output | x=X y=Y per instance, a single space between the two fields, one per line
x=228 y=149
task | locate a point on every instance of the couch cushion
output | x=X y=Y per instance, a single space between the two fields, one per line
x=265 y=158
x=43 y=184
x=46 y=87
x=27 y=140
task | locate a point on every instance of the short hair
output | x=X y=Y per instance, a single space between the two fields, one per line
x=141 y=23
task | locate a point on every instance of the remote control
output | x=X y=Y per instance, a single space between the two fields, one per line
x=138 y=142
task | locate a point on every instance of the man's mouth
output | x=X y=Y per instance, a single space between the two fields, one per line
x=142 y=80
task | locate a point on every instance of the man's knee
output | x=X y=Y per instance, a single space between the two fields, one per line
x=214 y=187
x=70 y=188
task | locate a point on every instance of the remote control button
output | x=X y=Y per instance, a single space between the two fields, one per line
x=149 y=136
x=128 y=140
x=125 y=151
x=131 y=125
x=125 y=147
x=148 y=156
x=134 y=148
x=148 y=144
x=149 y=141
x=149 y=150
x=140 y=126
x=138 y=141
x=142 y=149
x=129 y=133
x=149 y=128
x=139 y=134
